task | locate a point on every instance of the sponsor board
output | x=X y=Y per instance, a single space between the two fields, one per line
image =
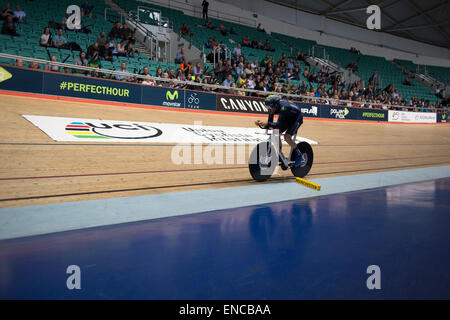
x=412 y=117
x=165 y=97
x=90 y=88
x=17 y=79
x=372 y=115
x=442 y=118
x=241 y=104
x=308 y=110
x=199 y=100
x=95 y=130
x=335 y=112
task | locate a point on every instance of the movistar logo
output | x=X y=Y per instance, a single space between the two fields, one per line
x=171 y=96
x=4 y=75
x=444 y=116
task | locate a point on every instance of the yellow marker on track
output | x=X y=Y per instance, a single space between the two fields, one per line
x=308 y=184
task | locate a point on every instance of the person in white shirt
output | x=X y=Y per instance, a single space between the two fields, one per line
x=45 y=38
x=20 y=15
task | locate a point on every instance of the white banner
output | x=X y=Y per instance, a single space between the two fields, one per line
x=412 y=117
x=95 y=130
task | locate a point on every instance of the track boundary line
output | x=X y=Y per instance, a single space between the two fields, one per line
x=203 y=183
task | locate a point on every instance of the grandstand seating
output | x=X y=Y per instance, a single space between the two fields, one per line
x=40 y=13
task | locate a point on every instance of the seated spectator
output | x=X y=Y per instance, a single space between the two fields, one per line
x=34 y=65
x=115 y=31
x=81 y=60
x=208 y=24
x=222 y=30
x=242 y=81
x=237 y=51
x=7 y=12
x=197 y=70
x=126 y=33
x=123 y=68
x=59 y=40
x=246 y=41
x=259 y=28
x=92 y=50
x=233 y=30
x=172 y=74
x=102 y=40
x=86 y=9
x=120 y=48
x=180 y=56
x=159 y=72
x=301 y=56
x=94 y=62
x=208 y=43
x=254 y=44
x=45 y=39
x=185 y=67
x=228 y=81
x=9 y=28
x=20 y=15
x=267 y=45
x=148 y=81
x=215 y=43
x=19 y=63
x=106 y=52
x=407 y=82
x=129 y=49
x=51 y=67
x=260 y=45
x=186 y=31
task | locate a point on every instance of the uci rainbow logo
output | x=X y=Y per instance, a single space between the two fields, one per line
x=81 y=130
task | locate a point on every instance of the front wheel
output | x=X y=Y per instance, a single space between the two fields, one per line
x=307 y=160
x=260 y=163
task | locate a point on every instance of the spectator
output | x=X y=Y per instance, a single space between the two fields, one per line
x=186 y=31
x=9 y=27
x=208 y=43
x=20 y=15
x=81 y=60
x=208 y=24
x=45 y=39
x=227 y=82
x=123 y=68
x=92 y=50
x=7 y=12
x=259 y=28
x=115 y=31
x=106 y=52
x=185 y=67
x=159 y=72
x=246 y=41
x=148 y=81
x=129 y=49
x=19 y=63
x=233 y=31
x=120 y=48
x=237 y=51
x=51 y=67
x=101 y=40
x=198 y=71
x=205 y=5
x=222 y=29
x=34 y=65
x=94 y=62
x=267 y=46
x=86 y=9
x=59 y=40
x=126 y=33
x=180 y=56
x=407 y=82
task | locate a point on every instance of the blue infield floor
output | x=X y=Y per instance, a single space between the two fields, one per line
x=312 y=248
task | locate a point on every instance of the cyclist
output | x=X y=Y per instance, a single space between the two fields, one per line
x=289 y=120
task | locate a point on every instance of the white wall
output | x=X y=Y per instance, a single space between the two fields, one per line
x=276 y=18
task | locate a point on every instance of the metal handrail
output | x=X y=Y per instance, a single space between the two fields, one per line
x=212 y=86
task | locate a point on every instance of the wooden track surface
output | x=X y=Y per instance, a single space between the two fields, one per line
x=35 y=169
